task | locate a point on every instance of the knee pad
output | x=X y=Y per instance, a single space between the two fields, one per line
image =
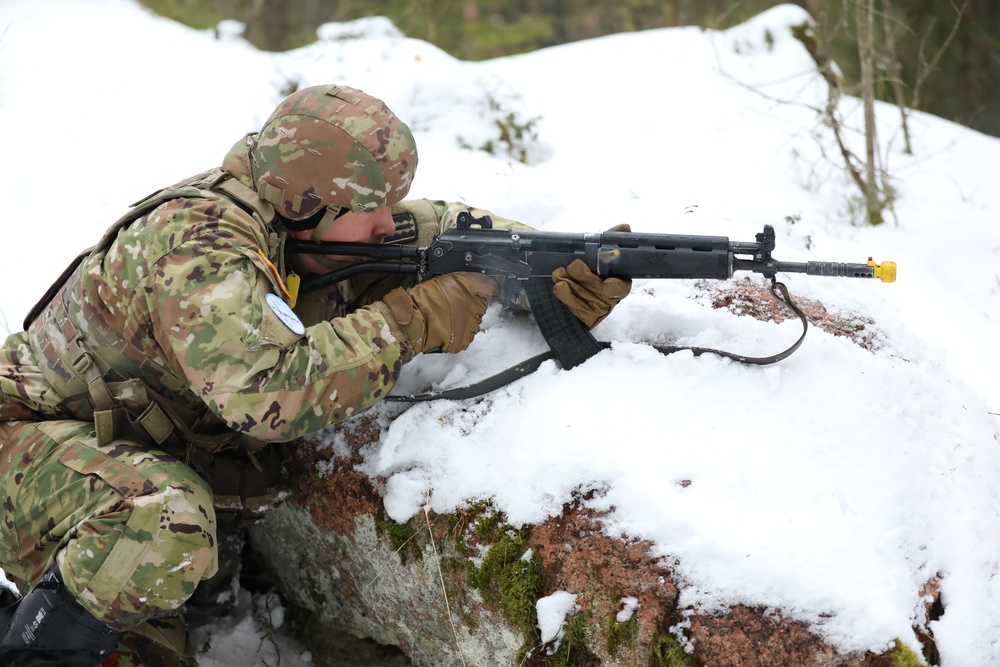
x=164 y=547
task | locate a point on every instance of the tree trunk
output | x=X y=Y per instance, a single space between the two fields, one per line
x=895 y=71
x=865 y=16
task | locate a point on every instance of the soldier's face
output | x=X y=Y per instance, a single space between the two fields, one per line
x=368 y=226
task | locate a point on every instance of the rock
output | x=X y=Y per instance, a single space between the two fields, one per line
x=461 y=589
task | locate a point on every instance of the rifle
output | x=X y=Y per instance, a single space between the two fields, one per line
x=524 y=260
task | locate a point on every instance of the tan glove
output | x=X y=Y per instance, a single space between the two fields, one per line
x=587 y=295
x=443 y=312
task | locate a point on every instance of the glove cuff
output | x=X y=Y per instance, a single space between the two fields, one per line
x=399 y=310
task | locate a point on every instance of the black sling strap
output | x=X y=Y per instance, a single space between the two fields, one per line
x=529 y=366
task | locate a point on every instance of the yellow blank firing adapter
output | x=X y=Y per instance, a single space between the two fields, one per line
x=886 y=271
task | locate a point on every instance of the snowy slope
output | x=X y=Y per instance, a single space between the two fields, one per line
x=831 y=486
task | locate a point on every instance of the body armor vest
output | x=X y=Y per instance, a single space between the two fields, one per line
x=243 y=472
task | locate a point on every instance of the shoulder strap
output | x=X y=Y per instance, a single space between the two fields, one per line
x=245 y=196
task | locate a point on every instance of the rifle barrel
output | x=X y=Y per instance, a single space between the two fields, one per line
x=390 y=252
x=831 y=269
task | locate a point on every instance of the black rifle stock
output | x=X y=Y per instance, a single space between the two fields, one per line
x=525 y=260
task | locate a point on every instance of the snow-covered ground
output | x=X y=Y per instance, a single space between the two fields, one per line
x=830 y=486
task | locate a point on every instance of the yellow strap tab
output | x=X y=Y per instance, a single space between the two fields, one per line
x=293 y=281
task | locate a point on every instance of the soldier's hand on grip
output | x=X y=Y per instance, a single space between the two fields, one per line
x=587 y=295
x=444 y=312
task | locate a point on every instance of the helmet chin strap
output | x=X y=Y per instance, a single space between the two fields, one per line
x=319 y=223
x=319 y=229
x=319 y=220
x=328 y=218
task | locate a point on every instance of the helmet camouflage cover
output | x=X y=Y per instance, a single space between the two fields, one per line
x=332 y=147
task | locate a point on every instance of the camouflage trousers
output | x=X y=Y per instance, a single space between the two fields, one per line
x=132 y=529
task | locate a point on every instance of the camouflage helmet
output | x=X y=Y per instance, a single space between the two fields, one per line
x=332 y=148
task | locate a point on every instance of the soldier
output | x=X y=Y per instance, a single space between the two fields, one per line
x=142 y=406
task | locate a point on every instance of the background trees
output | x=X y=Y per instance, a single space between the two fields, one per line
x=940 y=56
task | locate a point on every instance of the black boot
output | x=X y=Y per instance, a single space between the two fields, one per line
x=49 y=628
x=8 y=604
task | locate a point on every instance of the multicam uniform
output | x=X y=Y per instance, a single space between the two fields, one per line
x=173 y=347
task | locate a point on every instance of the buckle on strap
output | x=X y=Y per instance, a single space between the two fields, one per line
x=86 y=369
x=83 y=363
x=111 y=420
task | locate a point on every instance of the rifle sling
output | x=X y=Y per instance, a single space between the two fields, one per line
x=529 y=366
x=785 y=300
x=490 y=384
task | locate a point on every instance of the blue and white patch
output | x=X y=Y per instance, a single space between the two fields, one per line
x=285 y=314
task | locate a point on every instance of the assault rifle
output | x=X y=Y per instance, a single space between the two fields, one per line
x=525 y=261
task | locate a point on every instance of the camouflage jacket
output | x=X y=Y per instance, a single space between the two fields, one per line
x=184 y=300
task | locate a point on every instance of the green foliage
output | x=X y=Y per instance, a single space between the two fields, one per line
x=515 y=135
x=400 y=536
x=509 y=578
x=488 y=519
x=436 y=21
x=573 y=647
x=488 y=38
x=967 y=69
x=857 y=212
x=792 y=220
x=509 y=572
x=479 y=521
x=198 y=15
x=667 y=651
x=902 y=656
x=619 y=634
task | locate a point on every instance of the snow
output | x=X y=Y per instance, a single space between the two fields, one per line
x=829 y=487
x=552 y=611
x=629 y=605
